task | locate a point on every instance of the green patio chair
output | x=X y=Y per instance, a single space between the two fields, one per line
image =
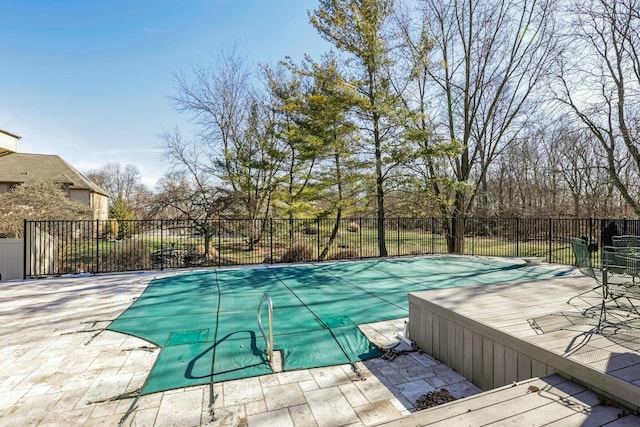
x=583 y=259
x=626 y=241
x=585 y=265
x=620 y=276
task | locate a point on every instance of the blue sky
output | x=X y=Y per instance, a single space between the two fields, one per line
x=88 y=80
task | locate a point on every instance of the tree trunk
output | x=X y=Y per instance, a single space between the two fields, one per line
x=382 y=244
x=332 y=238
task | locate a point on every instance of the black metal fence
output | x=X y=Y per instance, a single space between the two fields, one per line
x=70 y=247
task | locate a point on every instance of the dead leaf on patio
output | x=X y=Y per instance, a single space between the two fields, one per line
x=434 y=398
x=607 y=402
x=533 y=389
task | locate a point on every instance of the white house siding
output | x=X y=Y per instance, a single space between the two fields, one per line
x=8 y=142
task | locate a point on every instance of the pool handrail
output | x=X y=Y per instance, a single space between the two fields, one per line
x=267 y=341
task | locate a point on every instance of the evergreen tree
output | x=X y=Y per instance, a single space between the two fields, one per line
x=121 y=212
x=358 y=29
x=328 y=126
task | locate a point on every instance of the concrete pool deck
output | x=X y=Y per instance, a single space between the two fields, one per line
x=59 y=366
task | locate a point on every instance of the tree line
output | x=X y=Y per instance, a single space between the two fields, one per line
x=425 y=108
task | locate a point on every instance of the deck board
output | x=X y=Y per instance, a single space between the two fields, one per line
x=531 y=330
x=553 y=401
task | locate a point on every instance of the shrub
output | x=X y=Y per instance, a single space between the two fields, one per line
x=37 y=201
x=130 y=256
x=343 y=254
x=297 y=252
x=110 y=229
x=416 y=251
x=196 y=256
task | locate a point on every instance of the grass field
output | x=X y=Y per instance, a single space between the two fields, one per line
x=141 y=252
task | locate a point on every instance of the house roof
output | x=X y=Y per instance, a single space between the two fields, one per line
x=22 y=167
x=10 y=134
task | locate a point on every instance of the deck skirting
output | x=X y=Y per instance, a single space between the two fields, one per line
x=491 y=358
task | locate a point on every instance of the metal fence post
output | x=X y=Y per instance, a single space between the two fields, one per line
x=433 y=231
x=97 y=269
x=517 y=236
x=161 y=245
x=318 y=235
x=549 y=235
x=270 y=240
x=219 y=241
x=24 y=250
x=398 y=234
x=360 y=235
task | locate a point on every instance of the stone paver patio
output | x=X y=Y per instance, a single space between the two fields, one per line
x=60 y=367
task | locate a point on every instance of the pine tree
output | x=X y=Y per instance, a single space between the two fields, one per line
x=358 y=29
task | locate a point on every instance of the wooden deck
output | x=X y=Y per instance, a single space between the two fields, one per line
x=501 y=336
x=549 y=401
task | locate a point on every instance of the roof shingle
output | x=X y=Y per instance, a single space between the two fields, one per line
x=24 y=167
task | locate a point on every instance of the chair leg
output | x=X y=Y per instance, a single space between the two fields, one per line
x=633 y=307
x=584 y=311
x=583 y=293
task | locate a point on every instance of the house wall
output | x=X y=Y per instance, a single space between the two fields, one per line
x=100 y=206
x=82 y=196
x=99 y=203
x=11 y=259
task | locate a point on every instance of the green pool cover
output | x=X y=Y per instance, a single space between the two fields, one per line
x=206 y=325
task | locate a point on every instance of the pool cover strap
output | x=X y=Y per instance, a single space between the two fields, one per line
x=205 y=322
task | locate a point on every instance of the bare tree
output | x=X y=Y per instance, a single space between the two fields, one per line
x=116 y=179
x=235 y=144
x=182 y=196
x=579 y=166
x=512 y=183
x=123 y=184
x=426 y=177
x=600 y=84
x=494 y=56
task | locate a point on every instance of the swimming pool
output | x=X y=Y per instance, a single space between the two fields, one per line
x=205 y=321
